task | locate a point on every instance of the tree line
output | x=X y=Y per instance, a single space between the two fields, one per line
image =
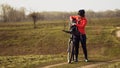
x=10 y=14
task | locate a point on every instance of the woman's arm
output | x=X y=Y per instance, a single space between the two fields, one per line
x=82 y=24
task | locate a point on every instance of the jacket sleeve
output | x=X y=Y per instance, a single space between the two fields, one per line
x=82 y=24
x=71 y=17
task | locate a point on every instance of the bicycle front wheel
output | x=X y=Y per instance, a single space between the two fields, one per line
x=70 y=55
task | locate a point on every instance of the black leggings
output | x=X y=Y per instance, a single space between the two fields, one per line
x=76 y=40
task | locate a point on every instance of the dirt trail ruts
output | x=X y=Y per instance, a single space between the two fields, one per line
x=49 y=66
x=118 y=32
x=97 y=64
x=86 y=66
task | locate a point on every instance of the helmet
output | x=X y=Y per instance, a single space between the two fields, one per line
x=81 y=12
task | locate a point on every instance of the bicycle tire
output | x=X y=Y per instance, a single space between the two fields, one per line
x=70 y=56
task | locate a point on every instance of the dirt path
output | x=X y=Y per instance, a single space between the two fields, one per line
x=86 y=66
x=118 y=32
x=97 y=64
x=49 y=66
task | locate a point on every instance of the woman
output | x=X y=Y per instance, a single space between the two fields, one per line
x=81 y=22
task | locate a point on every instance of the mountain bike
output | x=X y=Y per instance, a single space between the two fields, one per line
x=71 y=47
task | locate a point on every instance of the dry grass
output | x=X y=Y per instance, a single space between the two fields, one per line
x=21 y=39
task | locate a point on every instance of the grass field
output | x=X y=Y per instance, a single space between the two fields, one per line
x=22 y=46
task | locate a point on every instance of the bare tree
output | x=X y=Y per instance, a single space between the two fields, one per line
x=117 y=12
x=5 y=10
x=34 y=17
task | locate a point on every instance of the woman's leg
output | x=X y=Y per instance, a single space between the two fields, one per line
x=83 y=42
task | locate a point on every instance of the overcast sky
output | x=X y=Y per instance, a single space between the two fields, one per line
x=64 y=5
